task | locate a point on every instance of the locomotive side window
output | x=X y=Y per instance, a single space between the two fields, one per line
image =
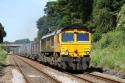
x=82 y=37
x=67 y=37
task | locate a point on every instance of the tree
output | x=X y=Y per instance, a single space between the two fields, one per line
x=105 y=14
x=62 y=13
x=101 y=15
x=2 y=33
x=105 y=21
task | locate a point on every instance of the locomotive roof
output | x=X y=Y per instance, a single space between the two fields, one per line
x=48 y=35
x=74 y=27
x=67 y=27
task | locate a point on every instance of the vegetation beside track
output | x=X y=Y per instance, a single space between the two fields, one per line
x=2 y=33
x=109 y=51
x=2 y=58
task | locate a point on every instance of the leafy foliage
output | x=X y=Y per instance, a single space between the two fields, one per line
x=96 y=37
x=2 y=33
x=109 y=50
x=121 y=19
x=105 y=21
x=101 y=15
x=3 y=56
x=62 y=13
x=104 y=16
x=112 y=5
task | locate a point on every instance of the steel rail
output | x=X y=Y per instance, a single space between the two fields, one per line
x=102 y=78
x=79 y=77
x=48 y=76
x=19 y=68
x=86 y=81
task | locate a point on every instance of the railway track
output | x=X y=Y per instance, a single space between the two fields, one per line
x=87 y=81
x=103 y=78
x=96 y=78
x=80 y=78
x=51 y=79
x=91 y=78
x=21 y=71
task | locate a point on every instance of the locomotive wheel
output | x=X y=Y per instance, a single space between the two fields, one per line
x=64 y=65
x=85 y=66
x=85 y=63
x=59 y=62
x=44 y=59
x=51 y=60
x=56 y=59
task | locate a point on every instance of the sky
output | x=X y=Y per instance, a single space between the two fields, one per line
x=19 y=18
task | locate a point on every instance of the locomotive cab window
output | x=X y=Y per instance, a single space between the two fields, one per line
x=83 y=37
x=67 y=37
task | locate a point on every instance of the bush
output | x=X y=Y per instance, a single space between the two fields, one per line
x=109 y=51
x=105 y=21
x=96 y=37
x=113 y=39
x=2 y=55
x=109 y=57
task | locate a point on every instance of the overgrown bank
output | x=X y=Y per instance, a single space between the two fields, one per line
x=109 y=51
x=2 y=58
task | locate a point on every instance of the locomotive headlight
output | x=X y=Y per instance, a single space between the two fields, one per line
x=87 y=51
x=64 y=52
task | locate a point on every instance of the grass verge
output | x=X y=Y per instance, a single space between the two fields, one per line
x=2 y=58
x=110 y=51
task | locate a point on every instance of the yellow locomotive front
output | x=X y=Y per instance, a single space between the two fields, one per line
x=75 y=43
x=75 y=47
x=68 y=48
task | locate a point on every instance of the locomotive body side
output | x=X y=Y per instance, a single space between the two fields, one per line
x=68 y=48
x=47 y=43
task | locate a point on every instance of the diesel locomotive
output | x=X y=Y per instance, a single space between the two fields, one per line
x=67 y=48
